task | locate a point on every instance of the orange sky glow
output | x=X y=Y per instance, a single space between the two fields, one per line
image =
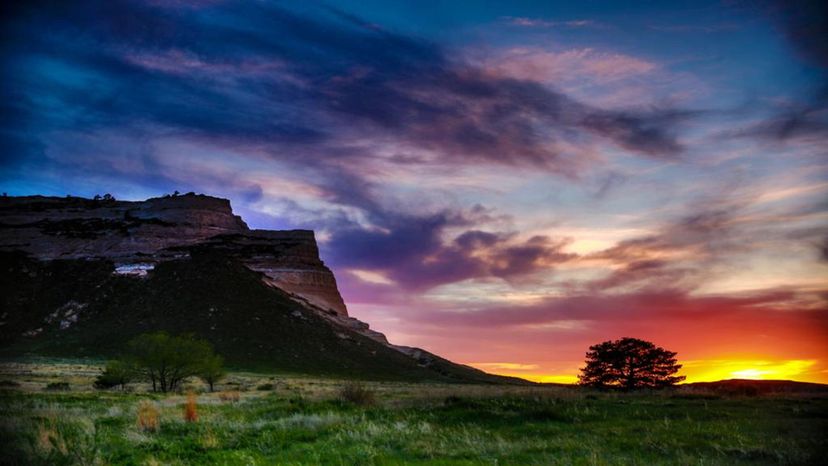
x=702 y=371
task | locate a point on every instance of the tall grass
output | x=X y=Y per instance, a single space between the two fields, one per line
x=190 y=409
x=148 y=419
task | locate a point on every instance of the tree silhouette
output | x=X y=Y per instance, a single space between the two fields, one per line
x=212 y=370
x=116 y=373
x=629 y=363
x=167 y=360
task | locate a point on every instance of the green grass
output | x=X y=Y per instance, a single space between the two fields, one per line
x=305 y=421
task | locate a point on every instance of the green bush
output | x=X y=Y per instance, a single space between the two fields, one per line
x=357 y=393
x=116 y=374
x=58 y=386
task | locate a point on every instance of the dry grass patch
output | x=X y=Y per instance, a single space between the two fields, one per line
x=148 y=417
x=230 y=396
x=191 y=409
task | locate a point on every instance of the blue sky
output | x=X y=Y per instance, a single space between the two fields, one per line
x=537 y=175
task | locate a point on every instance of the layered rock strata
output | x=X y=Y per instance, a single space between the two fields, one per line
x=138 y=235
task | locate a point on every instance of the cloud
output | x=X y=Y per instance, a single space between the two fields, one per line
x=543 y=23
x=538 y=64
x=804 y=25
x=677 y=256
x=792 y=121
x=603 y=78
x=411 y=251
x=696 y=28
x=642 y=307
x=258 y=74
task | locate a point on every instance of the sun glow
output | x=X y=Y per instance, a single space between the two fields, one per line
x=754 y=374
x=753 y=369
x=712 y=370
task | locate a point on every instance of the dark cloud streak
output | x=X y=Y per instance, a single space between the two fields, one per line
x=408 y=87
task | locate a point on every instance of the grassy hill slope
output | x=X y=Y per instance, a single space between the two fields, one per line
x=80 y=308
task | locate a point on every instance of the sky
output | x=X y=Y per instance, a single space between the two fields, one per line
x=501 y=183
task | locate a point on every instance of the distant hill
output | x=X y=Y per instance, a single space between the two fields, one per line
x=82 y=277
x=759 y=387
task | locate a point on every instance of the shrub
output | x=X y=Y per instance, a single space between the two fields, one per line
x=265 y=387
x=116 y=374
x=357 y=393
x=148 y=417
x=233 y=396
x=211 y=370
x=190 y=411
x=58 y=386
x=452 y=400
x=8 y=384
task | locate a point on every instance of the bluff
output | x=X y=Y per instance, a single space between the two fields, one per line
x=136 y=236
x=82 y=276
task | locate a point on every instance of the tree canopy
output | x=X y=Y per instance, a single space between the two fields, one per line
x=211 y=370
x=117 y=373
x=167 y=360
x=629 y=363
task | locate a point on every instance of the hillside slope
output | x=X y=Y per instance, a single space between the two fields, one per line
x=81 y=308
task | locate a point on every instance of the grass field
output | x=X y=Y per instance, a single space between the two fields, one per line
x=280 y=419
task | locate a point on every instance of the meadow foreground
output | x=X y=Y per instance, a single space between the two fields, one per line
x=277 y=419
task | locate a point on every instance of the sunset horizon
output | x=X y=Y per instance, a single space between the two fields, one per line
x=364 y=232
x=501 y=185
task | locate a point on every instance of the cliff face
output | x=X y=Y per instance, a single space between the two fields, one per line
x=288 y=259
x=136 y=236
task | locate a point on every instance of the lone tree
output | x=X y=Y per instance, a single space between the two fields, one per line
x=116 y=374
x=167 y=360
x=629 y=363
x=211 y=370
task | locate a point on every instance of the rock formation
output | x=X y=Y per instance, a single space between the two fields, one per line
x=83 y=276
x=138 y=235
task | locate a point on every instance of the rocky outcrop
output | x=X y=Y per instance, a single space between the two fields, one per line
x=138 y=235
x=77 y=228
x=289 y=260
